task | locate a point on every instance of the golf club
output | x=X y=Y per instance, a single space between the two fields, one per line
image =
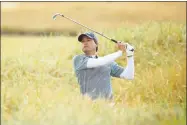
x=58 y=14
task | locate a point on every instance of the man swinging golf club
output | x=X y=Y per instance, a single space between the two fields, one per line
x=94 y=73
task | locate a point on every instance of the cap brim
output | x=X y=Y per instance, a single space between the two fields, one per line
x=81 y=36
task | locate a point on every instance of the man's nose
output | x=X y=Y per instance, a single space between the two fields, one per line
x=85 y=43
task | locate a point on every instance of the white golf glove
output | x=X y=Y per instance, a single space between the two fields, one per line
x=129 y=50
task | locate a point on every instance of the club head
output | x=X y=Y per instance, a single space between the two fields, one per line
x=57 y=14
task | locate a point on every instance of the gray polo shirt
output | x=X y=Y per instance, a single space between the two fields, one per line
x=95 y=82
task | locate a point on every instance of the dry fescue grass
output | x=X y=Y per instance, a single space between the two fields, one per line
x=37 y=16
x=39 y=87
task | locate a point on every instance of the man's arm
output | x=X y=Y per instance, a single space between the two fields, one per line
x=103 y=60
x=111 y=57
x=81 y=62
x=123 y=72
x=128 y=71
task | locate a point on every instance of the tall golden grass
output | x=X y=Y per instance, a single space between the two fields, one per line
x=38 y=85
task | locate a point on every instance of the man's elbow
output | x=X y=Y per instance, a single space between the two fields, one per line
x=130 y=78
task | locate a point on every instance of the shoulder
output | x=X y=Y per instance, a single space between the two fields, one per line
x=78 y=57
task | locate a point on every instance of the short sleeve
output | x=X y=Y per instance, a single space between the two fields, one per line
x=80 y=62
x=116 y=70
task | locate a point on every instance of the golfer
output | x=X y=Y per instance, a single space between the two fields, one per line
x=94 y=73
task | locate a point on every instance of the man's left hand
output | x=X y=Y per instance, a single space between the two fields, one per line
x=129 y=50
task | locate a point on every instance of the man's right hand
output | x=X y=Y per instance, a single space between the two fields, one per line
x=121 y=46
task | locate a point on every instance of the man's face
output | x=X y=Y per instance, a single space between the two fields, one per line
x=88 y=44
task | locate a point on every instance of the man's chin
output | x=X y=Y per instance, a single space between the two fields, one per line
x=85 y=50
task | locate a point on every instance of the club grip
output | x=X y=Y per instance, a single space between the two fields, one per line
x=114 y=40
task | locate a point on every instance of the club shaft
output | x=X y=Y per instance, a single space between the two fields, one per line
x=89 y=28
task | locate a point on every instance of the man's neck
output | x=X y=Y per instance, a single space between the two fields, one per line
x=90 y=53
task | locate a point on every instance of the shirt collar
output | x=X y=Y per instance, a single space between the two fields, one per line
x=93 y=56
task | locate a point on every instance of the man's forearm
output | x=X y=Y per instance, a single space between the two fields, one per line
x=103 y=60
x=128 y=72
